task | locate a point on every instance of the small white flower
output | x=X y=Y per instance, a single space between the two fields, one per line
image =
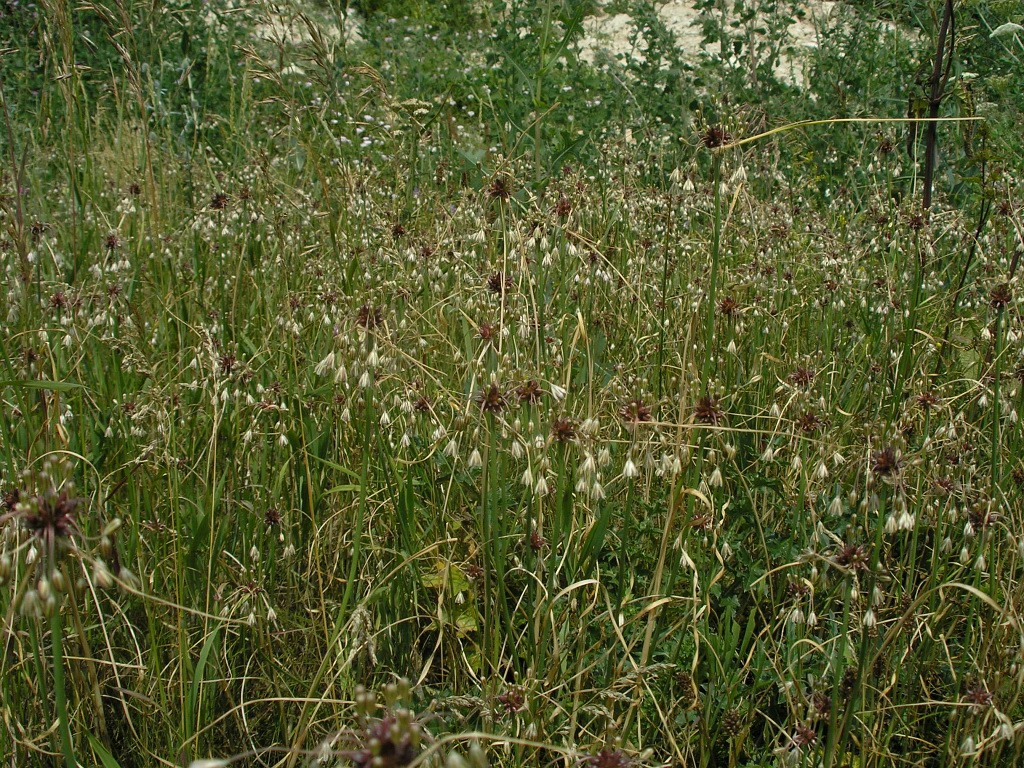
x=967 y=747
x=589 y=465
x=1007 y=29
x=325 y=365
x=1006 y=731
x=475 y=459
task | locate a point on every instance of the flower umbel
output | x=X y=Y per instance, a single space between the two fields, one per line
x=46 y=507
x=491 y=399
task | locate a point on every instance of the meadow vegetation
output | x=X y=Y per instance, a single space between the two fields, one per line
x=431 y=396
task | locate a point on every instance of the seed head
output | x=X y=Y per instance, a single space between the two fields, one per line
x=635 y=411
x=802 y=377
x=511 y=701
x=392 y=741
x=728 y=306
x=853 y=556
x=609 y=758
x=1001 y=296
x=369 y=317
x=529 y=391
x=979 y=698
x=708 y=411
x=491 y=399
x=501 y=188
x=51 y=515
x=848 y=683
x=563 y=430
x=499 y=283
x=809 y=422
x=731 y=722
x=804 y=736
x=821 y=704
x=46 y=507
x=715 y=136
x=886 y=462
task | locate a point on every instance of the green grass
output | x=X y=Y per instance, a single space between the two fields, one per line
x=386 y=365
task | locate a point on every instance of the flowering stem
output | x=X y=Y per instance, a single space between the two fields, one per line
x=661 y=323
x=995 y=401
x=357 y=531
x=716 y=242
x=623 y=529
x=306 y=714
x=905 y=368
x=59 y=691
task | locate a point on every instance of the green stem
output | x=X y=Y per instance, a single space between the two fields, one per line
x=307 y=714
x=59 y=692
x=716 y=243
x=995 y=402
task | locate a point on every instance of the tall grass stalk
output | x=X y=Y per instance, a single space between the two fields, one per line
x=60 y=696
x=716 y=249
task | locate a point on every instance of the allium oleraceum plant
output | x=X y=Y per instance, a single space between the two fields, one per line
x=632 y=441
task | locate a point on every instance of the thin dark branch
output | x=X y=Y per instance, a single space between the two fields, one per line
x=938 y=81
